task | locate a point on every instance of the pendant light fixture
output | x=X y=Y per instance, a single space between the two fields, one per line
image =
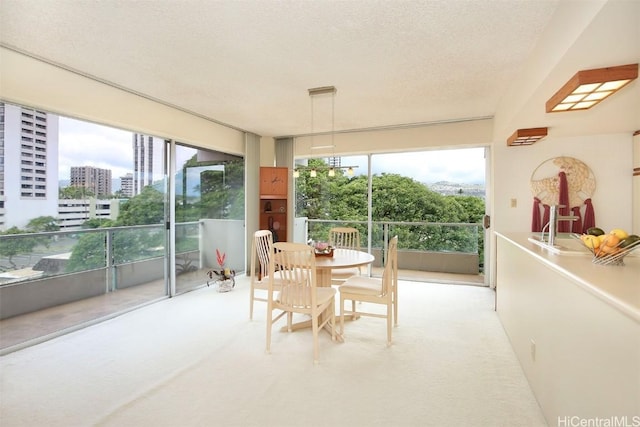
x=331 y=170
x=323 y=91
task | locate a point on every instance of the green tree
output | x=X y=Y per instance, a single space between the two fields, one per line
x=145 y=208
x=219 y=193
x=396 y=198
x=89 y=253
x=97 y=223
x=473 y=208
x=72 y=192
x=12 y=246
x=43 y=223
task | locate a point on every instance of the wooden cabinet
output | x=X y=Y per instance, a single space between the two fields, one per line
x=274 y=189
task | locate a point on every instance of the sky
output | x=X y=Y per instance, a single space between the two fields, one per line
x=82 y=143
x=462 y=166
x=86 y=144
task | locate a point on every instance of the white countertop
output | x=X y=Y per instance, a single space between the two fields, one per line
x=619 y=286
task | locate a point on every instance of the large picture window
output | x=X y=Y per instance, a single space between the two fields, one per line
x=433 y=200
x=87 y=223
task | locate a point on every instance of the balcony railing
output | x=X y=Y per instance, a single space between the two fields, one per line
x=41 y=271
x=423 y=246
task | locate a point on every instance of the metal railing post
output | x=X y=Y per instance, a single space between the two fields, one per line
x=111 y=278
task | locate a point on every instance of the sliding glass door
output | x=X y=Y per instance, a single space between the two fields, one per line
x=209 y=215
x=92 y=222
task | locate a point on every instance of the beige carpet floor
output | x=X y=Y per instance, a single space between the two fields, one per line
x=196 y=360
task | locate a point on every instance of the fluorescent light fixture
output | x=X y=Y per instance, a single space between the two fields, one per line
x=526 y=136
x=588 y=87
x=322 y=90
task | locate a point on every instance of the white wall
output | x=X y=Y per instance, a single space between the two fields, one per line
x=608 y=156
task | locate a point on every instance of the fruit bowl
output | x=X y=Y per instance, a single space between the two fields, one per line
x=611 y=248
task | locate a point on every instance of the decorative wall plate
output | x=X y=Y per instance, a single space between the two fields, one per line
x=545 y=181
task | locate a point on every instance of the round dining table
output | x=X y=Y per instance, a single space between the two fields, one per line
x=342 y=258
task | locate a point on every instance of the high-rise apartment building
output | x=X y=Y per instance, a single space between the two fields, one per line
x=96 y=180
x=28 y=165
x=142 y=162
x=126 y=185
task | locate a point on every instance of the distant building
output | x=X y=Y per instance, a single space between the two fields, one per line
x=95 y=179
x=335 y=162
x=142 y=162
x=28 y=165
x=126 y=185
x=72 y=213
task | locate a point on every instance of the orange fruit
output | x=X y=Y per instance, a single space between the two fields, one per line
x=611 y=240
x=610 y=250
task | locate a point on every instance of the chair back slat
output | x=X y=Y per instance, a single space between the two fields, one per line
x=263 y=247
x=344 y=238
x=390 y=273
x=295 y=263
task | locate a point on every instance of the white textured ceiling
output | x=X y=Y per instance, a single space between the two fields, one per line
x=249 y=63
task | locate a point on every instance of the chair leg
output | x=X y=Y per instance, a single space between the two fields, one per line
x=251 y=304
x=269 y=314
x=341 y=314
x=332 y=322
x=314 y=328
x=395 y=308
x=389 y=315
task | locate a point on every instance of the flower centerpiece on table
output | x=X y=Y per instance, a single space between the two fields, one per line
x=322 y=248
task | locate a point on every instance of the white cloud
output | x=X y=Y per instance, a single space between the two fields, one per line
x=460 y=165
x=87 y=144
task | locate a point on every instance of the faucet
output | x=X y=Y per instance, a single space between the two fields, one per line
x=554 y=218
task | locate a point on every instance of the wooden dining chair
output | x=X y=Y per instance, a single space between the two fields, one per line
x=261 y=251
x=298 y=291
x=374 y=290
x=344 y=238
